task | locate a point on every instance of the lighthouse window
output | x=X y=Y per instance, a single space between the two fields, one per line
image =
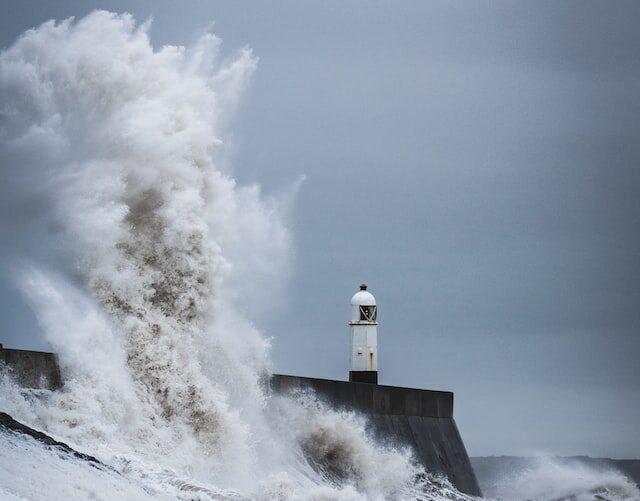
x=368 y=313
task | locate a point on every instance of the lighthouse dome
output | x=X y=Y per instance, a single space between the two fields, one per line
x=363 y=306
x=363 y=297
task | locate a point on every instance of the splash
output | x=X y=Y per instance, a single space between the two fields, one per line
x=145 y=245
x=549 y=479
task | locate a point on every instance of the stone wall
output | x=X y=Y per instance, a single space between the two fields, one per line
x=420 y=419
x=32 y=369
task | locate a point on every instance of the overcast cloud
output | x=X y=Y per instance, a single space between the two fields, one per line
x=476 y=163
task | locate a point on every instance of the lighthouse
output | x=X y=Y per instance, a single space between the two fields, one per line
x=364 y=337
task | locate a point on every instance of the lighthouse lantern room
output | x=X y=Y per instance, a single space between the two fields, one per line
x=364 y=337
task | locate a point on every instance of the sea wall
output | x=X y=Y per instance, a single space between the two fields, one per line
x=420 y=419
x=32 y=369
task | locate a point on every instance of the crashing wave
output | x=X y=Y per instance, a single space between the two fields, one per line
x=145 y=246
x=563 y=479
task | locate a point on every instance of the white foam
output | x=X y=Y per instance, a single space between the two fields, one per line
x=553 y=479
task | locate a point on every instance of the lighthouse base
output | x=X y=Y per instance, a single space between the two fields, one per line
x=363 y=377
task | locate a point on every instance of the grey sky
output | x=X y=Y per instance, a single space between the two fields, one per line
x=477 y=164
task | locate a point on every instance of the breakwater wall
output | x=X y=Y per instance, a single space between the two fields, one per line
x=32 y=369
x=420 y=419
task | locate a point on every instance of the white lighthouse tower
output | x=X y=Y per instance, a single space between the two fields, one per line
x=364 y=337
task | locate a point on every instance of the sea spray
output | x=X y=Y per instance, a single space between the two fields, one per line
x=545 y=478
x=145 y=245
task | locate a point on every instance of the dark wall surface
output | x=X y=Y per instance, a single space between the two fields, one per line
x=32 y=369
x=372 y=398
x=420 y=419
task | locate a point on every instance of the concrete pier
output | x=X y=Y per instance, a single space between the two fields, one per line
x=420 y=419
x=32 y=369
